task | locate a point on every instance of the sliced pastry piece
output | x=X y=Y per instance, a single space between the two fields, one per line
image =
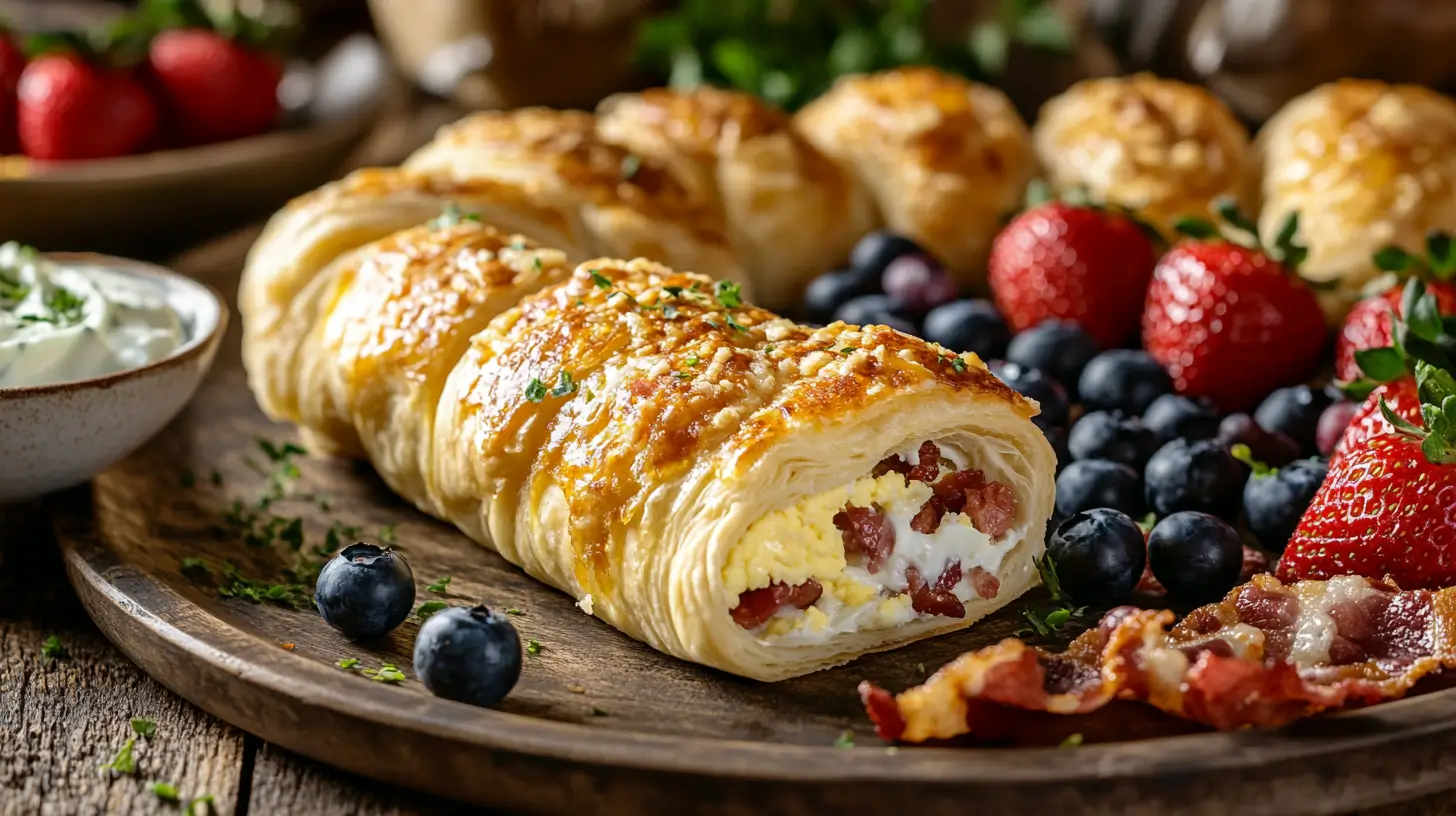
x=1161 y=147
x=633 y=205
x=945 y=159
x=1366 y=165
x=791 y=211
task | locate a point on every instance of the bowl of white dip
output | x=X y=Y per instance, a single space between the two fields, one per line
x=97 y=354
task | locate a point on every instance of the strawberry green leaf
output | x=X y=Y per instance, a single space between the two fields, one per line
x=42 y=43
x=1286 y=251
x=1394 y=259
x=1038 y=192
x=1425 y=319
x=1441 y=253
x=1448 y=407
x=1413 y=291
x=1200 y=229
x=1435 y=384
x=1381 y=364
x=1401 y=424
x=1358 y=390
x=1227 y=208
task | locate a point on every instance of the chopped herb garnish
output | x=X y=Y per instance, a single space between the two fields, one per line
x=518 y=245
x=565 y=385
x=348 y=663
x=188 y=478
x=728 y=293
x=847 y=350
x=429 y=608
x=682 y=375
x=441 y=586
x=387 y=535
x=144 y=727
x=52 y=649
x=533 y=647
x=535 y=390
x=165 y=791
x=769 y=348
x=958 y=364
x=1072 y=741
x=199 y=804
x=845 y=740
x=673 y=291
x=536 y=263
x=452 y=216
x=631 y=163
x=602 y=281
x=514 y=611
x=279 y=453
x=693 y=361
x=734 y=324
x=387 y=673
x=123 y=762
x=590 y=395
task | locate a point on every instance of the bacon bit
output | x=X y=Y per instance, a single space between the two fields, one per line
x=928 y=470
x=938 y=599
x=991 y=509
x=891 y=464
x=927 y=520
x=287 y=647
x=868 y=533
x=756 y=606
x=984 y=583
x=951 y=491
x=1227 y=665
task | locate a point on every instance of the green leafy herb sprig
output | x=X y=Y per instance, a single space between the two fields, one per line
x=1048 y=621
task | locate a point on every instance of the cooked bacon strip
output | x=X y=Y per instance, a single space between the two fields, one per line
x=867 y=532
x=756 y=606
x=1228 y=665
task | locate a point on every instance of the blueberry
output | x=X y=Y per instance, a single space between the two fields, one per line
x=1029 y=382
x=1200 y=476
x=469 y=655
x=917 y=284
x=826 y=293
x=1332 y=425
x=875 y=251
x=969 y=325
x=1198 y=557
x=1274 y=501
x=1295 y=412
x=1058 y=347
x=365 y=591
x=1271 y=449
x=1092 y=483
x=1174 y=416
x=1114 y=436
x=1123 y=379
x=1099 y=555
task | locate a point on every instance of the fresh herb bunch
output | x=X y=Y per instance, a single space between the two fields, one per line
x=791 y=51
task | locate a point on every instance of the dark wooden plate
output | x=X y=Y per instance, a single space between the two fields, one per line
x=601 y=723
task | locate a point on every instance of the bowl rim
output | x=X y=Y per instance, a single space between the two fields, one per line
x=205 y=338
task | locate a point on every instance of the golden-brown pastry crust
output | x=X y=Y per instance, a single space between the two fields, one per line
x=1366 y=164
x=945 y=158
x=791 y=211
x=1159 y=146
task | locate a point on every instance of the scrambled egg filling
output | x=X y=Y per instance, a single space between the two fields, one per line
x=801 y=542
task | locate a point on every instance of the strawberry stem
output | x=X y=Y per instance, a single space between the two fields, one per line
x=1421 y=344
x=1242 y=453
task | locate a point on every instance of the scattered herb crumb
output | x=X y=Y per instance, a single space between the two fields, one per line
x=387 y=673
x=1072 y=741
x=535 y=390
x=601 y=281
x=536 y=263
x=847 y=350
x=188 y=478
x=769 y=348
x=565 y=385
x=533 y=647
x=441 y=586
x=845 y=740
x=165 y=791
x=734 y=324
x=348 y=663
x=52 y=649
x=693 y=361
x=514 y=611
x=958 y=364
x=429 y=608
x=728 y=293
x=144 y=727
x=631 y=163
x=123 y=762
x=387 y=535
x=199 y=805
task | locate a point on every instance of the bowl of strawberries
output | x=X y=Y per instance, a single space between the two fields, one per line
x=170 y=121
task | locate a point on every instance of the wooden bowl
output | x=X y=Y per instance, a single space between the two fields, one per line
x=151 y=202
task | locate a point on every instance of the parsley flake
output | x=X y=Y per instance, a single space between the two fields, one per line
x=165 y=791
x=387 y=673
x=536 y=264
x=429 y=608
x=734 y=324
x=348 y=663
x=728 y=293
x=769 y=348
x=958 y=364
x=52 y=649
x=123 y=762
x=1072 y=741
x=693 y=361
x=514 y=611
x=452 y=216
x=845 y=740
x=441 y=586
x=601 y=281
x=682 y=375
x=533 y=647
x=535 y=390
x=848 y=350
x=144 y=727
x=199 y=804
x=565 y=385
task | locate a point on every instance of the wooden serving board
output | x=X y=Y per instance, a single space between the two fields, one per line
x=600 y=723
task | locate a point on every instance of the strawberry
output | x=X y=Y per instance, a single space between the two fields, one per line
x=1369 y=324
x=214 y=87
x=1085 y=264
x=1228 y=320
x=72 y=107
x=1368 y=422
x=12 y=62
x=1388 y=506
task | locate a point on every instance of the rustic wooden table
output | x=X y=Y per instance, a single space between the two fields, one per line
x=61 y=719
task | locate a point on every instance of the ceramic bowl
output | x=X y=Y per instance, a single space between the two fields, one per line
x=57 y=436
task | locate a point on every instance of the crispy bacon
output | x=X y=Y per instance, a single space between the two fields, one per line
x=928 y=468
x=991 y=508
x=1227 y=665
x=756 y=606
x=891 y=464
x=938 y=598
x=984 y=583
x=867 y=533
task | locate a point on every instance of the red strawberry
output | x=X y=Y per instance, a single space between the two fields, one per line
x=1368 y=324
x=1083 y=264
x=1368 y=423
x=71 y=108
x=214 y=88
x=12 y=62
x=1230 y=322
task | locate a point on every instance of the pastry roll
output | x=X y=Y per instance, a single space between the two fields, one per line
x=792 y=213
x=1161 y=147
x=721 y=483
x=1366 y=165
x=945 y=159
x=635 y=205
